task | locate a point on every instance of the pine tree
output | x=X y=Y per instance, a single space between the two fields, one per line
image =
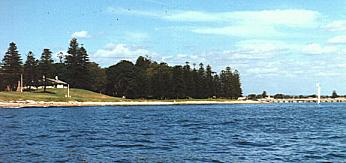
x=210 y=89
x=84 y=73
x=217 y=86
x=143 y=80
x=11 y=67
x=237 y=84
x=334 y=94
x=188 y=81
x=201 y=82
x=77 y=66
x=31 y=72
x=178 y=85
x=46 y=66
x=71 y=62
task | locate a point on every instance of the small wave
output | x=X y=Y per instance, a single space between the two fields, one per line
x=338 y=155
x=42 y=136
x=253 y=144
x=127 y=145
x=62 y=130
x=228 y=123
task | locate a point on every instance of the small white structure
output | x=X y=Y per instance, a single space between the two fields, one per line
x=57 y=83
x=318 y=93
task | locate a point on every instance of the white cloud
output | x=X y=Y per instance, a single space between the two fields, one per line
x=266 y=23
x=81 y=34
x=337 y=40
x=112 y=53
x=262 y=23
x=317 y=49
x=263 y=46
x=339 y=25
x=247 y=30
x=289 y=17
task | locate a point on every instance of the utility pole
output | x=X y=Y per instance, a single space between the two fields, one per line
x=68 y=90
x=21 y=82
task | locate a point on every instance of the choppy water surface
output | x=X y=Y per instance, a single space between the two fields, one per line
x=184 y=133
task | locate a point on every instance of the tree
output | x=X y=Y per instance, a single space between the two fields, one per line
x=122 y=80
x=98 y=77
x=334 y=94
x=76 y=66
x=210 y=87
x=189 y=81
x=264 y=94
x=143 y=80
x=178 y=85
x=238 y=92
x=46 y=66
x=11 y=67
x=201 y=82
x=230 y=84
x=217 y=86
x=161 y=81
x=31 y=71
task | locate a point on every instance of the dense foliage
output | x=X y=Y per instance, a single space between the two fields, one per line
x=149 y=79
x=143 y=79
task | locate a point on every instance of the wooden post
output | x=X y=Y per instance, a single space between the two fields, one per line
x=68 y=90
x=21 y=82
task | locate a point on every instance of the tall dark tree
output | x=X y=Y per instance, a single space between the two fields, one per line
x=122 y=80
x=85 y=81
x=46 y=66
x=161 y=81
x=334 y=94
x=143 y=79
x=226 y=78
x=178 y=85
x=31 y=71
x=237 y=85
x=202 y=90
x=98 y=77
x=209 y=89
x=217 y=86
x=76 y=66
x=11 y=67
x=189 y=82
x=264 y=94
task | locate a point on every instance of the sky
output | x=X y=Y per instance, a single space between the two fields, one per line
x=284 y=46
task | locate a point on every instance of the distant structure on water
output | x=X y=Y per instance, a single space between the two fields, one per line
x=318 y=93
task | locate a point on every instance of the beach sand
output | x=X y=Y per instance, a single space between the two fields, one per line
x=30 y=103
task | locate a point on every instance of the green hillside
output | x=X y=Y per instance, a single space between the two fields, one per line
x=58 y=95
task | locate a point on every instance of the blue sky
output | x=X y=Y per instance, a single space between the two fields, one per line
x=279 y=46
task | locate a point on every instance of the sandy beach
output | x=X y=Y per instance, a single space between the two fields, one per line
x=30 y=103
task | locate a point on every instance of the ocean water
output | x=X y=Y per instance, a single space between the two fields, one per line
x=179 y=133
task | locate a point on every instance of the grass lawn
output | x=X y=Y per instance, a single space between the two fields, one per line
x=58 y=95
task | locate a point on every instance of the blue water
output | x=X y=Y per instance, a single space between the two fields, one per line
x=181 y=133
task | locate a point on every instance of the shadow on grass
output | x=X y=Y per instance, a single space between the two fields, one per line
x=43 y=92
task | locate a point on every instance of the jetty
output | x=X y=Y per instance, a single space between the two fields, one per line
x=305 y=100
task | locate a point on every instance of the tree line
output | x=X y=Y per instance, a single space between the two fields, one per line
x=284 y=96
x=145 y=78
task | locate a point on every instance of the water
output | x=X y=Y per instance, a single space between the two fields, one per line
x=181 y=133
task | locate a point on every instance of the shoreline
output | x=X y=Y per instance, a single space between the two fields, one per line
x=30 y=103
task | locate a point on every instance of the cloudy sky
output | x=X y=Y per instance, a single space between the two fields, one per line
x=281 y=46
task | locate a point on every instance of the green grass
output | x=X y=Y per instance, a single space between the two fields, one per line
x=58 y=95
x=80 y=95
